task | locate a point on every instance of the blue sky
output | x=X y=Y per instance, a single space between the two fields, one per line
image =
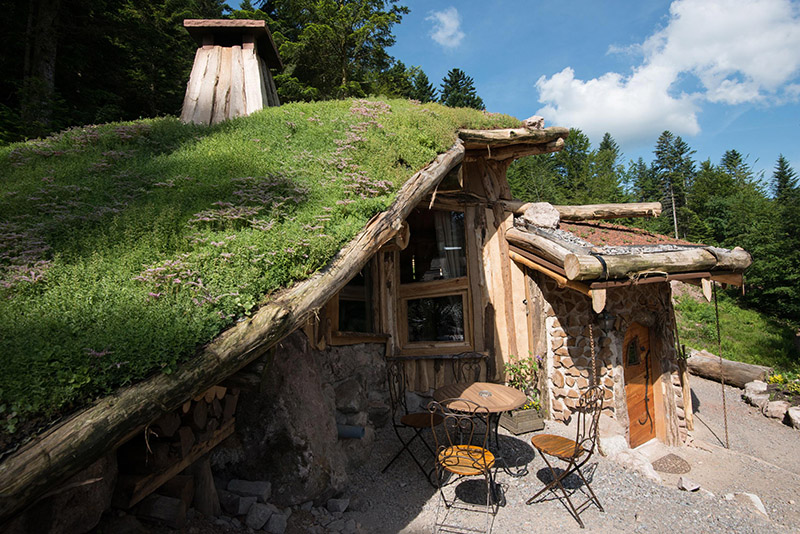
x=723 y=74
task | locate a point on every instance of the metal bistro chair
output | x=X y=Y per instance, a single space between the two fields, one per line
x=576 y=453
x=404 y=421
x=462 y=450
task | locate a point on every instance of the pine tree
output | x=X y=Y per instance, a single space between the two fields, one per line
x=458 y=91
x=784 y=179
x=423 y=88
x=674 y=170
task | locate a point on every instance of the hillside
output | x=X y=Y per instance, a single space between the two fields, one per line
x=126 y=246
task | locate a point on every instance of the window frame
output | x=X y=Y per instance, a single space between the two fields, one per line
x=459 y=286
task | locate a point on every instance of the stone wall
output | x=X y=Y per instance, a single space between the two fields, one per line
x=287 y=434
x=568 y=360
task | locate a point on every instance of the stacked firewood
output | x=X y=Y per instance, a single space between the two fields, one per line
x=152 y=460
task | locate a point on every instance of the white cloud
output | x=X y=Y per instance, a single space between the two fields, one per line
x=738 y=52
x=446 y=27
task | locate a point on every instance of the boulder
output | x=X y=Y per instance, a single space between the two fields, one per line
x=687 y=485
x=259 y=514
x=611 y=437
x=542 y=214
x=76 y=506
x=793 y=414
x=756 y=387
x=276 y=524
x=751 y=500
x=534 y=123
x=337 y=505
x=776 y=409
x=759 y=400
x=261 y=490
x=288 y=433
x=636 y=461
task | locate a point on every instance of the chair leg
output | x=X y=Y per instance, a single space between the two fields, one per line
x=557 y=483
x=406 y=447
x=591 y=493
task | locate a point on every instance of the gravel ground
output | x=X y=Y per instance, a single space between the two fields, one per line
x=763 y=460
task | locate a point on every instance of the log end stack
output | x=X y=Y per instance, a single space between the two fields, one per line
x=164 y=470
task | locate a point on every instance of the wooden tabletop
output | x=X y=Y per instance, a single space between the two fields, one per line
x=494 y=397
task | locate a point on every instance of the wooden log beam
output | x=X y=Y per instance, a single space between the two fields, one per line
x=707 y=365
x=502 y=153
x=547 y=248
x=593 y=212
x=480 y=139
x=69 y=447
x=599 y=267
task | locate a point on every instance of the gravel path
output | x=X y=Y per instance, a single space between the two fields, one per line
x=401 y=501
x=763 y=460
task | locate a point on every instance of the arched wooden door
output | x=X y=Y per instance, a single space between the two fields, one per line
x=639 y=380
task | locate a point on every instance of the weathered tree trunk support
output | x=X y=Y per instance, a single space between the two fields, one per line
x=594 y=212
x=69 y=447
x=737 y=374
x=596 y=266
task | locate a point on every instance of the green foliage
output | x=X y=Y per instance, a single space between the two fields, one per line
x=332 y=48
x=521 y=374
x=110 y=60
x=458 y=91
x=575 y=175
x=747 y=335
x=123 y=247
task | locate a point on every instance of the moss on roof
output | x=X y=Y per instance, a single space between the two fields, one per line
x=123 y=247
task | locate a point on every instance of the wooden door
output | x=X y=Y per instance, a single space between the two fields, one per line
x=639 y=380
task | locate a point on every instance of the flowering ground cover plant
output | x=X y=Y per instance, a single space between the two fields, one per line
x=123 y=247
x=786 y=387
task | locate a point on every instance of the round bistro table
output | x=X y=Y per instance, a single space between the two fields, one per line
x=496 y=398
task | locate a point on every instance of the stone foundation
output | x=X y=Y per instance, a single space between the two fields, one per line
x=568 y=362
x=287 y=432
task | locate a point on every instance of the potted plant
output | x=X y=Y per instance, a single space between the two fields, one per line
x=521 y=373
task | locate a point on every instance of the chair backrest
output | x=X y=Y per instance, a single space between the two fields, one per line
x=463 y=423
x=396 y=382
x=468 y=366
x=589 y=408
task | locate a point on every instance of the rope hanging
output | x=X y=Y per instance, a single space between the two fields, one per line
x=721 y=372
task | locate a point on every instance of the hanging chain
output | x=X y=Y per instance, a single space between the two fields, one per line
x=721 y=372
x=591 y=343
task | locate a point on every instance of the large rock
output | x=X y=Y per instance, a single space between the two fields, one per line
x=794 y=416
x=246 y=488
x=74 y=510
x=611 y=437
x=542 y=214
x=756 y=387
x=752 y=501
x=636 y=461
x=288 y=432
x=776 y=409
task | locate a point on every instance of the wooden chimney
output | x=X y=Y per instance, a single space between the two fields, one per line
x=231 y=73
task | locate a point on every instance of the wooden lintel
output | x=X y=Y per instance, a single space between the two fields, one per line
x=559 y=279
x=354 y=338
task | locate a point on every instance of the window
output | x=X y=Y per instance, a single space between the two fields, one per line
x=355 y=304
x=434 y=306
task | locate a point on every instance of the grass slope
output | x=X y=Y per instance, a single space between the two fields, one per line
x=747 y=336
x=125 y=246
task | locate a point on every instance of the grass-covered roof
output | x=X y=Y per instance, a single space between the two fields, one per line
x=124 y=247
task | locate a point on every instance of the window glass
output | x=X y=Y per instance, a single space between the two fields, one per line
x=436 y=250
x=436 y=319
x=355 y=304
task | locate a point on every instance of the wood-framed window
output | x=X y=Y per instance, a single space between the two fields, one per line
x=434 y=312
x=353 y=314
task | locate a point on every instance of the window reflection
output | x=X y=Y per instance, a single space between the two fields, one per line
x=436 y=319
x=436 y=250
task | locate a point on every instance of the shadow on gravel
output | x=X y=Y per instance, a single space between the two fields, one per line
x=570 y=482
